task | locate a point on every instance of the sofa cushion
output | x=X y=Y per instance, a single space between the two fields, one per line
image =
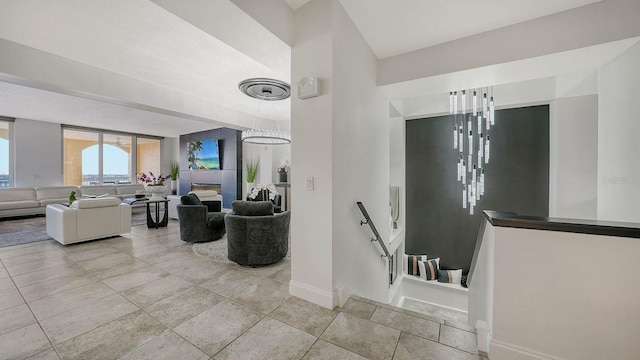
x=429 y=269
x=252 y=208
x=450 y=276
x=95 y=203
x=17 y=194
x=129 y=189
x=24 y=204
x=411 y=263
x=56 y=192
x=190 y=199
x=46 y=202
x=97 y=190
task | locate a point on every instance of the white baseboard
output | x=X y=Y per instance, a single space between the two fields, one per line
x=312 y=294
x=483 y=337
x=341 y=295
x=503 y=351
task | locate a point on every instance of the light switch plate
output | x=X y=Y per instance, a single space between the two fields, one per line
x=309 y=183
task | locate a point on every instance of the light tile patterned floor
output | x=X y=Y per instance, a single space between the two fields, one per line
x=146 y=295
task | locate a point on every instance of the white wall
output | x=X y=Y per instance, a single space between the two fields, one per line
x=38 y=153
x=269 y=157
x=550 y=303
x=360 y=162
x=341 y=139
x=618 y=133
x=311 y=154
x=574 y=157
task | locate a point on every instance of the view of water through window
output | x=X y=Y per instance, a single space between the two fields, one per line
x=82 y=158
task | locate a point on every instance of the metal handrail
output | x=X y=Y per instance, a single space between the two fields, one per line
x=369 y=222
x=386 y=254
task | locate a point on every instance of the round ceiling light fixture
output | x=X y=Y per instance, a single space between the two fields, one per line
x=267 y=90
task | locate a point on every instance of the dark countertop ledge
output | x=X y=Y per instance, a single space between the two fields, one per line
x=593 y=227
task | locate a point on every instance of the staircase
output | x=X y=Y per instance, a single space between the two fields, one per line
x=441 y=335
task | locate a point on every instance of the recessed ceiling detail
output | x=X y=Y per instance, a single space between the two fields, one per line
x=396 y=27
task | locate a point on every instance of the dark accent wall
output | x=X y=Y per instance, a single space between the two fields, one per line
x=516 y=180
x=230 y=174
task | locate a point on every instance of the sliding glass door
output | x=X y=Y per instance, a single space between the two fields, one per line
x=94 y=157
x=117 y=159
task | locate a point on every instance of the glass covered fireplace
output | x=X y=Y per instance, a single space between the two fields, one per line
x=206 y=186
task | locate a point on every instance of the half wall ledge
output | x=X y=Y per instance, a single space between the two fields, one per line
x=593 y=227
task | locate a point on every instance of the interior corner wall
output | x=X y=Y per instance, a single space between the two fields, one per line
x=618 y=132
x=312 y=155
x=573 y=188
x=361 y=160
x=38 y=153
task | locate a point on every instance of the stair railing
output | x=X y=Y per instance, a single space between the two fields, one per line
x=368 y=221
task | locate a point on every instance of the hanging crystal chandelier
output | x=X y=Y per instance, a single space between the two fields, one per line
x=267 y=90
x=479 y=117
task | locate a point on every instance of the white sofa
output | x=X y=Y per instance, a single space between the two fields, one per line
x=88 y=219
x=122 y=191
x=34 y=200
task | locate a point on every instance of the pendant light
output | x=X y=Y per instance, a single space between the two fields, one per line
x=267 y=90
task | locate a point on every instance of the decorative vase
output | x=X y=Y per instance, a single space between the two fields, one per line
x=283 y=176
x=250 y=186
x=156 y=191
x=174 y=187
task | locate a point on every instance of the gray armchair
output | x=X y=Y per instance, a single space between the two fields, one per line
x=200 y=221
x=255 y=235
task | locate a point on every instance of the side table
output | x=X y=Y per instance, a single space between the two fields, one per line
x=154 y=224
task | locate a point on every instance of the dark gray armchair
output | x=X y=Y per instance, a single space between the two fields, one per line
x=255 y=235
x=200 y=221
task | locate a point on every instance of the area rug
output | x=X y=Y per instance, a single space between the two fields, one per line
x=217 y=250
x=22 y=231
x=31 y=229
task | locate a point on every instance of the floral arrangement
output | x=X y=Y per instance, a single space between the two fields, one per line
x=284 y=166
x=152 y=180
x=269 y=189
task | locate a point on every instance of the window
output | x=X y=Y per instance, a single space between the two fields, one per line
x=148 y=156
x=6 y=162
x=117 y=161
x=94 y=157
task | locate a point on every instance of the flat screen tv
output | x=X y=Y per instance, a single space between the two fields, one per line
x=203 y=155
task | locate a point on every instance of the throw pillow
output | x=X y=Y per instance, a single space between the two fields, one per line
x=252 y=208
x=450 y=276
x=429 y=269
x=411 y=263
x=190 y=199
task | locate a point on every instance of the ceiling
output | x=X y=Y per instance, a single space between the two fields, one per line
x=396 y=27
x=181 y=48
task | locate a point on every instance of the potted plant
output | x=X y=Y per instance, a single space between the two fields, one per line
x=154 y=185
x=283 y=170
x=252 y=166
x=174 y=168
